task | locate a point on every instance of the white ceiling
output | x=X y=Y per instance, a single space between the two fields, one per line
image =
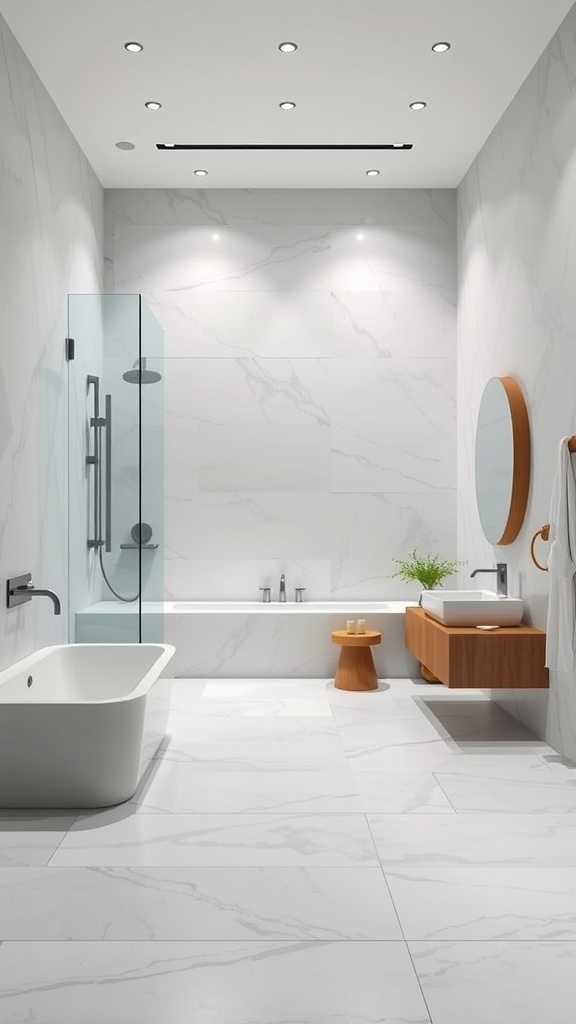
x=216 y=68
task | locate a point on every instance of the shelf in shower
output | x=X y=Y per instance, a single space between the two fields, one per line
x=135 y=547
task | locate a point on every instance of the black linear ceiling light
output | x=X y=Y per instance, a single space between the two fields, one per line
x=188 y=145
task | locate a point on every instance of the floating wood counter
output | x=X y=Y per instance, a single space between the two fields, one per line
x=505 y=658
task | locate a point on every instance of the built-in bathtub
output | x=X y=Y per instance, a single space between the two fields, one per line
x=245 y=639
x=80 y=724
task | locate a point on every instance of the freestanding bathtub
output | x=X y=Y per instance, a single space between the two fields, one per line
x=80 y=724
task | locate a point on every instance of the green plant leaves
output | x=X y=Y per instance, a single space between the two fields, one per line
x=429 y=570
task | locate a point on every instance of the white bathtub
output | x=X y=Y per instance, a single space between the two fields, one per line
x=249 y=639
x=79 y=724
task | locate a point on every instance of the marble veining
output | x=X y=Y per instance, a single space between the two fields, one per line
x=297 y=355
x=236 y=982
x=51 y=243
x=261 y=874
x=517 y=315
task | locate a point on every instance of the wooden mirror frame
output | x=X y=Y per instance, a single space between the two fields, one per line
x=521 y=455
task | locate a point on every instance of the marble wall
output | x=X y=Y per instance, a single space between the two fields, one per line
x=517 y=315
x=50 y=245
x=309 y=381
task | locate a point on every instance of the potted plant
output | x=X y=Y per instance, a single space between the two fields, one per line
x=428 y=570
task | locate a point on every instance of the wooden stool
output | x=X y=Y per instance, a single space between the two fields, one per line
x=356 y=665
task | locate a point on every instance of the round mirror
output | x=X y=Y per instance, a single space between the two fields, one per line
x=502 y=460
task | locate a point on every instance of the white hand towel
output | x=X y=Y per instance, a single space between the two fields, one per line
x=561 y=628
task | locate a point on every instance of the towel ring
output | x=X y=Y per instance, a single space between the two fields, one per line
x=544 y=533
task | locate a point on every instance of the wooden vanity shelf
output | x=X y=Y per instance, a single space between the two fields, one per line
x=461 y=657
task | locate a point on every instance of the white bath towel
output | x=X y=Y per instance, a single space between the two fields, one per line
x=561 y=628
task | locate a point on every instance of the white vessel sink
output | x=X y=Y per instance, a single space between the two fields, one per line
x=472 y=608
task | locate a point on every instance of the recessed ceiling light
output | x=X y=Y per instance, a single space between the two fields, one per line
x=201 y=173
x=287 y=47
x=360 y=237
x=125 y=145
x=133 y=47
x=215 y=238
x=287 y=105
x=441 y=47
x=153 y=105
x=372 y=173
x=418 y=105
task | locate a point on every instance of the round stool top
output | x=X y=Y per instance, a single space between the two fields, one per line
x=340 y=636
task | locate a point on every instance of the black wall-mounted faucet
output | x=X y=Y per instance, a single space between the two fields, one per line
x=19 y=590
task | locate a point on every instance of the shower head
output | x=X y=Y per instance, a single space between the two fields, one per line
x=140 y=375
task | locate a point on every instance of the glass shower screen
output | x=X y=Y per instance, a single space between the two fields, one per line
x=116 y=456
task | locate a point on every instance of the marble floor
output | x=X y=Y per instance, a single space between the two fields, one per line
x=300 y=855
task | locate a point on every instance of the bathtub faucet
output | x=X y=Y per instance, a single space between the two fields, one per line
x=21 y=589
x=282 y=596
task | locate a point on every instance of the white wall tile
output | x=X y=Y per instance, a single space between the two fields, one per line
x=50 y=244
x=517 y=315
x=383 y=324
x=310 y=388
x=249 y=323
x=393 y=424
x=216 y=207
x=280 y=458
x=221 y=579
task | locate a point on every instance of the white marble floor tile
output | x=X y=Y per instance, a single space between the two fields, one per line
x=389 y=710
x=264 y=840
x=401 y=793
x=186 y=689
x=488 y=767
x=439 y=758
x=391 y=732
x=560 y=767
x=543 y=794
x=404 y=757
x=458 y=715
x=31 y=837
x=241 y=729
x=497 y=982
x=531 y=839
x=209 y=982
x=482 y=903
x=259 y=755
x=264 y=707
x=265 y=689
x=372 y=700
x=401 y=689
x=182 y=789
x=476 y=722
x=163 y=903
x=397 y=747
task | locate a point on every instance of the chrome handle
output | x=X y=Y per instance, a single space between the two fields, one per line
x=266 y=592
x=299 y=591
x=108 y=528
x=93 y=458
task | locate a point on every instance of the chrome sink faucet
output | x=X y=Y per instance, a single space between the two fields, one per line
x=282 y=595
x=501 y=571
